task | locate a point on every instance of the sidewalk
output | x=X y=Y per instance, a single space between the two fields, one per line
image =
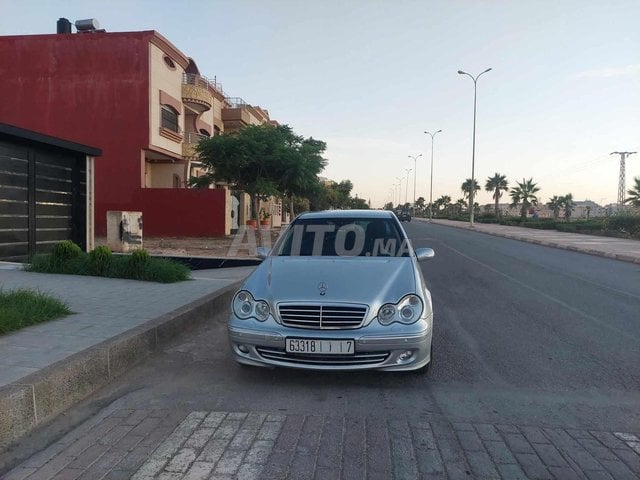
x=617 y=248
x=45 y=368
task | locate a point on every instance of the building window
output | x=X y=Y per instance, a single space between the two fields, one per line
x=170 y=118
x=169 y=63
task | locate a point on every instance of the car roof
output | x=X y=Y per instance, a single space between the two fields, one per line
x=347 y=214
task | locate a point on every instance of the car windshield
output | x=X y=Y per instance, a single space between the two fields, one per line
x=330 y=237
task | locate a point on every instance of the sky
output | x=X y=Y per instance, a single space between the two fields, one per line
x=369 y=77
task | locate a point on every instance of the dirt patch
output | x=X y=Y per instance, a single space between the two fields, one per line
x=215 y=247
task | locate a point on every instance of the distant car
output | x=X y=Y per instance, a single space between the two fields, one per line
x=404 y=215
x=341 y=290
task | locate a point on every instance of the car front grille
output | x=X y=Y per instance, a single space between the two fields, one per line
x=358 y=359
x=322 y=316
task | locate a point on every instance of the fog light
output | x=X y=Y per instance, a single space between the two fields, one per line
x=406 y=355
x=243 y=348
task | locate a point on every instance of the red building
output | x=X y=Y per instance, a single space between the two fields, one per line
x=139 y=99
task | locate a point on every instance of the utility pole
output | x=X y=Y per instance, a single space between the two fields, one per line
x=621 y=180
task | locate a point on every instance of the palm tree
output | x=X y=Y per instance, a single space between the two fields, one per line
x=460 y=205
x=634 y=193
x=567 y=204
x=496 y=184
x=466 y=187
x=555 y=204
x=524 y=193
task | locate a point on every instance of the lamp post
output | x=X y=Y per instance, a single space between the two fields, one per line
x=415 y=171
x=400 y=189
x=406 y=191
x=473 y=152
x=432 y=135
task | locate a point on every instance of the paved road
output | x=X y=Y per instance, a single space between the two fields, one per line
x=535 y=376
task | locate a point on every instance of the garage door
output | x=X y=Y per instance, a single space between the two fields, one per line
x=42 y=199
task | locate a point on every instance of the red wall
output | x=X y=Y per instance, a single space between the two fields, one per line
x=178 y=212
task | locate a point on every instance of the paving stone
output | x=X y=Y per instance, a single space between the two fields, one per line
x=181 y=462
x=249 y=471
x=353 y=460
x=596 y=449
x=564 y=473
x=442 y=430
x=213 y=420
x=429 y=462
x=533 y=466
x=378 y=450
x=630 y=458
x=597 y=475
x=458 y=471
x=302 y=466
x=52 y=467
x=213 y=450
x=199 y=471
x=517 y=443
x=577 y=433
x=627 y=437
x=331 y=442
x=19 y=473
x=230 y=462
x=423 y=436
x=289 y=433
x=505 y=428
x=269 y=430
x=534 y=434
x=512 y=472
x=618 y=469
x=550 y=455
x=460 y=426
x=470 y=441
x=481 y=465
x=450 y=450
x=309 y=438
x=488 y=432
x=608 y=439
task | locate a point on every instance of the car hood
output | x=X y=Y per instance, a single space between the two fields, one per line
x=373 y=281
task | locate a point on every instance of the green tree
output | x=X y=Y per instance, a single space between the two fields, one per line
x=524 y=193
x=497 y=184
x=299 y=168
x=420 y=205
x=466 y=187
x=567 y=204
x=555 y=204
x=262 y=160
x=634 y=193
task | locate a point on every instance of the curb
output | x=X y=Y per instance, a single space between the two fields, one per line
x=39 y=397
x=537 y=241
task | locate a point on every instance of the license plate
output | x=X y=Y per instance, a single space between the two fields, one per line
x=320 y=347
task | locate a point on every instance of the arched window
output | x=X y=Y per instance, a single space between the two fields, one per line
x=170 y=118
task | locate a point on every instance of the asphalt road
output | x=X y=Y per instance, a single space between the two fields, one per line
x=523 y=335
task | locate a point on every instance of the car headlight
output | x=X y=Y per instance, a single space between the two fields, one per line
x=407 y=311
x=245 y=306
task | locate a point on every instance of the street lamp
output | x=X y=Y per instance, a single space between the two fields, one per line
x=473 y=152
x=400 y=189
x=415 y=171
x=406 y=191
x=432 y=135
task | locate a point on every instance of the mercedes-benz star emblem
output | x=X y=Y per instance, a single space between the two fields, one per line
x=322 y=288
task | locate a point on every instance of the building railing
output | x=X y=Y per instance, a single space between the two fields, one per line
x=204 y=82
x=193 y=137
x=236 y=102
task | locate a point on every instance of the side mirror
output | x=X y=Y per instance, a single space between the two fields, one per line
x=262 y=252
x=423 y=254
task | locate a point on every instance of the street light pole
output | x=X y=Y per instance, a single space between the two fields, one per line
x=406 y=192
x=400 y=189
x=415 y=171
x=473 y=152
x=432 y=135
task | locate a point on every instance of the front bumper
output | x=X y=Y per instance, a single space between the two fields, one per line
x=263 y=345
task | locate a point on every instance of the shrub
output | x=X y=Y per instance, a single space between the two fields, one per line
x=64 y=251
x=21 y=308
x=100 y=261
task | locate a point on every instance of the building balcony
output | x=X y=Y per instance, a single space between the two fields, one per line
x=191 y=139
x=195 y=92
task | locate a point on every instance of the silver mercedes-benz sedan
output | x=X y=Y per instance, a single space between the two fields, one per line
x=340 y=290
